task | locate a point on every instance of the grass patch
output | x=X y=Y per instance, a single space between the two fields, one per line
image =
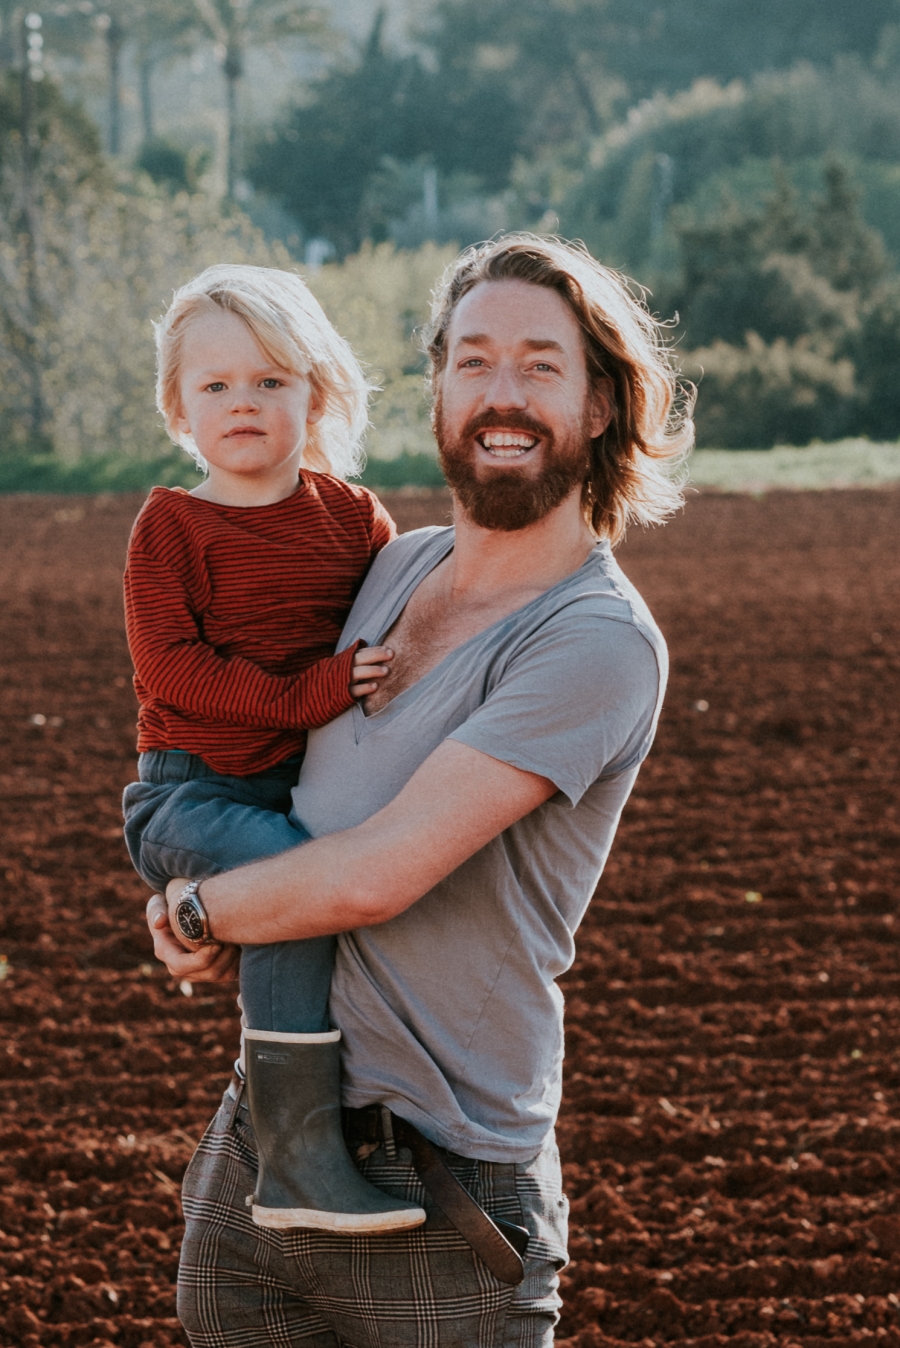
x=406 y=470
x=105 y=473
x=108 y=473
x=844 y=463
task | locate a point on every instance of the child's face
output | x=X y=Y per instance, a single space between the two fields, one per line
x=248 y=417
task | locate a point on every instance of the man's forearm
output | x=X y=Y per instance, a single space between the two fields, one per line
x=312 y=890
x=454 y=804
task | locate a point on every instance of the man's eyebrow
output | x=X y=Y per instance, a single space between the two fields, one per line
x=543 y=344
x=531 y=343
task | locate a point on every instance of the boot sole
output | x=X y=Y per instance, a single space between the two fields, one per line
x=352 y=1223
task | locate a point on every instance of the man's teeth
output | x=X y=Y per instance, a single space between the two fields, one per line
x=507 y=444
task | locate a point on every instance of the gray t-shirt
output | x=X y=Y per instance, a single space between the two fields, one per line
x=450 y=1011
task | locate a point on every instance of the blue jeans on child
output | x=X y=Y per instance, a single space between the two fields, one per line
x=182 y=818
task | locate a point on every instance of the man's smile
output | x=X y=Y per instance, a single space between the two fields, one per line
x=507 y=444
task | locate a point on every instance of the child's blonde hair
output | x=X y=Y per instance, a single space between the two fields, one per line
x=291 y=328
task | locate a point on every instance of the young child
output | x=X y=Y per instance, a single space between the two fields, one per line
x=235 y=595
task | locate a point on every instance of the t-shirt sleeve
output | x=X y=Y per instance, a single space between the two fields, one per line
x=577 y=702
x=382 y=529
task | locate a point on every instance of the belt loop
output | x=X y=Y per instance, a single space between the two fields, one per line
x=387 y=1128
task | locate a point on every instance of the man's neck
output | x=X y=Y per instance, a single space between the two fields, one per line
x=489 y=561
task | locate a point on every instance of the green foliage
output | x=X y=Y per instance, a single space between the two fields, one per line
x=377 y=299
x=875 y=348
x=690 y=149
x=85 y=269
x=667 y=45
x=112 y=252
x=791 y=316
x=24 y=472
x=569 y=64
x=407 y=470
x=789 y=270
x=752 y=206
x=553 y=58
x=331 y=162
x=761 y=394
x=171 y=166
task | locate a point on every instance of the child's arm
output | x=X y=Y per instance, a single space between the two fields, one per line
x=174 y=663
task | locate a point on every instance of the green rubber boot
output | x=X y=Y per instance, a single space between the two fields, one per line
x=306 y=1176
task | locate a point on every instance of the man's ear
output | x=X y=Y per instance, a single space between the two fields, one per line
x=601 y=406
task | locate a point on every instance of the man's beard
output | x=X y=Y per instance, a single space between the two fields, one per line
x=509 y=499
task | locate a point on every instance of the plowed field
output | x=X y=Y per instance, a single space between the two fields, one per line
x=730 y=1129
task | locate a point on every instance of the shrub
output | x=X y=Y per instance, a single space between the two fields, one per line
x=762 y=394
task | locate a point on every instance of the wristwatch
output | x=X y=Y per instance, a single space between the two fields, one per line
x=190 y=916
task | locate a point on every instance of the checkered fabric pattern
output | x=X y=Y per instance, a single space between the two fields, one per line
x=242 y=1286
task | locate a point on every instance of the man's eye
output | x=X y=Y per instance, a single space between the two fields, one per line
x=472 y=363
x=543 y=368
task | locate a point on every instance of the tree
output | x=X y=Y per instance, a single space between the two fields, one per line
x=49 y=152
x=787 y=271
x=667 y=44
x=341 y=165
x=236 y=25
x=790 y=316
x=159 y=29
x=108 y=252
x=551 y=58
x=156 y=28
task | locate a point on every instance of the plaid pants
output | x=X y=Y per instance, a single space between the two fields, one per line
x=244 y=1286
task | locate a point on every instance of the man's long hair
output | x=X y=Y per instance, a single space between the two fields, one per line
x=634 y=465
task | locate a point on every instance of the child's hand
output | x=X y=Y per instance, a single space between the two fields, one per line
x=370 y=664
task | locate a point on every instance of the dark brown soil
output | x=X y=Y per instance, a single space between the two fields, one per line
x=730 y=1127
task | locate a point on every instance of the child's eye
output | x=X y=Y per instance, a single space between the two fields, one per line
x=271 y=383
x=216 y=387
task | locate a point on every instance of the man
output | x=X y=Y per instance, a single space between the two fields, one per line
x=461 y=819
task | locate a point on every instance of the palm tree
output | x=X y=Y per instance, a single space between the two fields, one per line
x=236 y=25
x=160 y=29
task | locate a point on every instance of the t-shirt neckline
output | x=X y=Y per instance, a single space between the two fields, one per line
x=429 y=562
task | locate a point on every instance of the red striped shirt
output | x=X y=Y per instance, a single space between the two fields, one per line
x=233 y=614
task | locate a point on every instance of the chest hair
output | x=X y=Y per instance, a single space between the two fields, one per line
x=432 y=625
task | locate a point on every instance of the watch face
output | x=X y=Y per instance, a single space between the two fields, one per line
x=190 y=923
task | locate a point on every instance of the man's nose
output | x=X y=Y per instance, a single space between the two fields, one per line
x=506 y=388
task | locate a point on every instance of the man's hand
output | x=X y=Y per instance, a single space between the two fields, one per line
x=370 y=664
x=210 y=964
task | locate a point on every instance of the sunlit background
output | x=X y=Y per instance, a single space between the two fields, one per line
x=741 y=161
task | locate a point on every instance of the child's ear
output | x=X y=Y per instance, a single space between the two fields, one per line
x=181 y=424
x=316 y=409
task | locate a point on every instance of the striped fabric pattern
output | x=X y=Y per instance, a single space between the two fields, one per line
x=233 y=614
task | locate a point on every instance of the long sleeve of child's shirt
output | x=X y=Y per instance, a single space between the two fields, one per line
x=233 y=614
x=175 y=665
